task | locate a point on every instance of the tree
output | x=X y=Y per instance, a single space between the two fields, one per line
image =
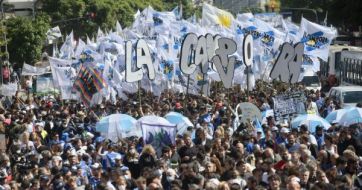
x=188 y=9
x=26 y=38
x=68 y=14
x=340 y=12
x=74 y=14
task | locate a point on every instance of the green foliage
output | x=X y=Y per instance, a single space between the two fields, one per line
x=340 y=12
x=26 y=38
x=72 y=14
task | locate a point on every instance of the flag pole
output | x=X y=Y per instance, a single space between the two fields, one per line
x=139 y=93
x=187 y=88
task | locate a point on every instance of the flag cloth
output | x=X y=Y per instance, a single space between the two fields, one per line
x=54 y=33
x=9 y=89
x=118 y=28
x=29 y=70
x=63 y=78
x=89 y=81
x=44 y=85
x=258 y=127
x=316 y=38
x=80 y=48
x=212 y=16
x=67 y=49
x=58 y=63
x=158 y=135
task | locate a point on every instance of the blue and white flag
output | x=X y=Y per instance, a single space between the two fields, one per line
x=292 y=31
x=258 y=127
x=67 y=49
x=65 y=77
x=80 y=48
x=316 y=38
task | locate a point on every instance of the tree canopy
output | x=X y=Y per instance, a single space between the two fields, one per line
x=26 y=38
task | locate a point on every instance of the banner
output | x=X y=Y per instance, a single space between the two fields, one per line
x=158 y=136
x=65 y=77
x=292 y=103
x=9 y=89
x=29 y=70
x=44 y=85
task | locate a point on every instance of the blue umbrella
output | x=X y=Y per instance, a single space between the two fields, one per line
x=180 y=120
x=352 y=116
x=311 y=120
x=118 y=126
x=335 y=115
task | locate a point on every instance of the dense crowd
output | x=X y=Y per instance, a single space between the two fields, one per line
x=53 y=144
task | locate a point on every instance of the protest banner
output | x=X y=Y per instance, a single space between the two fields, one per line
x=44 y=85
x=29 y=70
x=291 y=103
x=158 y=135
x=249 y=112
x=9 y=89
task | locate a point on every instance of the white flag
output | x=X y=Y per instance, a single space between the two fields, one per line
x=54 y=33
x=29 y=70
x=57 y=63
x=212 y=16
x=65 y=76
x=67 y=49
x=80 y=48
x=316 y=38
x=118 y=28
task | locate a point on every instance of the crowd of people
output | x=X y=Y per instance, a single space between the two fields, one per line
x=53 y=144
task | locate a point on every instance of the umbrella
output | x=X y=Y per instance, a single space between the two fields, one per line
x=311 y=120
x=335 y=115
x=179 y=120
x=153 y=120
x=352 y=116
x=117 y=126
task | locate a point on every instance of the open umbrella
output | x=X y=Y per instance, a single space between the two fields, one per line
x=352 y=116
x=153 y=120
x=116 y=126
x=335 y=115
x=311 y=120
x=179 y=120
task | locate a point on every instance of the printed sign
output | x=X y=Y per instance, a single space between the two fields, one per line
x=292 y=103
x=9 y=89
x=249 y=112
x=44 y=85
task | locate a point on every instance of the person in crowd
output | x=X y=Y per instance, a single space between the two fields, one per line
x=54 y=144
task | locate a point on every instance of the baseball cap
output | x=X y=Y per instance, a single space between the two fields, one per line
x=284 y=130
x=96 y=166
x=274 y=128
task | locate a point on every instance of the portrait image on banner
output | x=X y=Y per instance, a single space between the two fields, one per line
x=158 y=135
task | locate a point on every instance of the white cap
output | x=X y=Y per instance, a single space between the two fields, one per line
x=284 y=130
